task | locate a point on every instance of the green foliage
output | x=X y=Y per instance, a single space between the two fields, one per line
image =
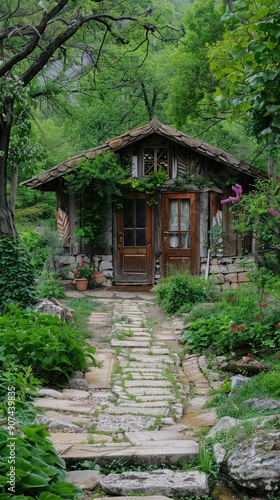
x=246 y=63
x=22 y=380
x=265 y=384
x=181 y=289
x=17 y=280
x=35 y=471
x=258 y=212
x=36 y=245
x=51 y=347
x=83 y=307
x=48 y=286
x=242 y=318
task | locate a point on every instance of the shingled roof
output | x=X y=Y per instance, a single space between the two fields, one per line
x=134 y=135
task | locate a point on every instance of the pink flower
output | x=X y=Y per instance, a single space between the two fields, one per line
x=76 y=271
x=242 y=327
x=259 y=318
x=277 y=357
x=273 y=212
x=234 y=328
x=238 y=193
x=277 y=326
x=232 y=298
x=83 y=263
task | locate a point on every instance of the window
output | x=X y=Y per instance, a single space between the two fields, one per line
x=155 y=159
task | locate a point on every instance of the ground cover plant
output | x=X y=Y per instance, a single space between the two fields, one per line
x=181 y=290
x=52 y=348
x=35 y=471
x=233 y=402
x=244 y=318
x=17 y=279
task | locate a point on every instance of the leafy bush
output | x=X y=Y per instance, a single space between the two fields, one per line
x=48 y=286
x=36 y=469
x=17 y=281
x=181 y=289
x=37 y=245
x=51 y=347
x=239 y=321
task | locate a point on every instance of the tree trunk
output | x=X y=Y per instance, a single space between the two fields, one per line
x=14 y=185
x=7 y=226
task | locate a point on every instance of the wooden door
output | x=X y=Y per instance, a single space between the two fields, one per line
x=134 y=234
x=180 y=239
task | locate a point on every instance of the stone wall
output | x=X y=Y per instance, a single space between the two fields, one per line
x=228 y=272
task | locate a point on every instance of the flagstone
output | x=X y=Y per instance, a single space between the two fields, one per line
x=129 y=343
x=147 y=383
x=78 y=438
x=100 y=377
x=148 y=391
x=76 y=419
x=64 y=404
x=75 y=393
x=137 y=438
x=150 y=454
x=84 y=479
x=146 y=404
x=137 y=410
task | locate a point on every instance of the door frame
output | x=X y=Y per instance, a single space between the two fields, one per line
x=118 y=244
x=194 y=231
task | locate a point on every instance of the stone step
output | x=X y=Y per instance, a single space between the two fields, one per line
x=137 y=438
x=75 y=419
x=78 y=438
x=137 y=410
x=64 y=405
x=146 y=404
x=149 y=453
x=129 y=343
x=100 y=377
x=147 y=383
x=148 y=391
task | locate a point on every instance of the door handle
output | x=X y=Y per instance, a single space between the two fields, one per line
x=120 y=237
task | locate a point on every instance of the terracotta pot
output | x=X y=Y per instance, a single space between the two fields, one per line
x=98 y=277
x=81 y=284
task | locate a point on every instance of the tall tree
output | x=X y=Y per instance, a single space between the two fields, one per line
x=44 y=38
x=246 y=63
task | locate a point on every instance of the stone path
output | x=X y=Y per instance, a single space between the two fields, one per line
x=142 y=403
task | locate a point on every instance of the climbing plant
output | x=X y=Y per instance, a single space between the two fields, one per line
x=99 y=183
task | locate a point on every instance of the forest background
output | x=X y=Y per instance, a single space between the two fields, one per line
x=208 y=68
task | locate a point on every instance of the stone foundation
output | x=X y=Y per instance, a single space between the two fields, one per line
x=228 y=272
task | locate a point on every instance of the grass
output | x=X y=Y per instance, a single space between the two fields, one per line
x=83 y=307
x=233 y=403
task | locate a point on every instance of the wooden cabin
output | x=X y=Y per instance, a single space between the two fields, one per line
x=144 y=241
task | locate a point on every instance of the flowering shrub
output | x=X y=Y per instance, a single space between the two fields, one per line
x=82 y=270
x=242 y=320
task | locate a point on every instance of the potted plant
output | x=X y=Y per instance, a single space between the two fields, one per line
x=82 y=274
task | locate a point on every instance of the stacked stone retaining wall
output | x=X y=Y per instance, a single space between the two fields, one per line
x=228 y=272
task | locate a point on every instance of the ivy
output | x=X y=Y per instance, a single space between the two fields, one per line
x=17 y=279
x=99 y=183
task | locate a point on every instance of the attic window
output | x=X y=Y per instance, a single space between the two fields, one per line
x=155 y=159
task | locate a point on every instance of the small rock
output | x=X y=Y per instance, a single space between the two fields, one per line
x=219 y=453
x=165 y=482
x=238 y=381
x=50 y=393
x=255 y=462
x=77 y=374
x=54 y=308
x=84 y=479
x=223 y=424
x=263 y=403
x=78 y=383
x=167 y=421
x=55 y=424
